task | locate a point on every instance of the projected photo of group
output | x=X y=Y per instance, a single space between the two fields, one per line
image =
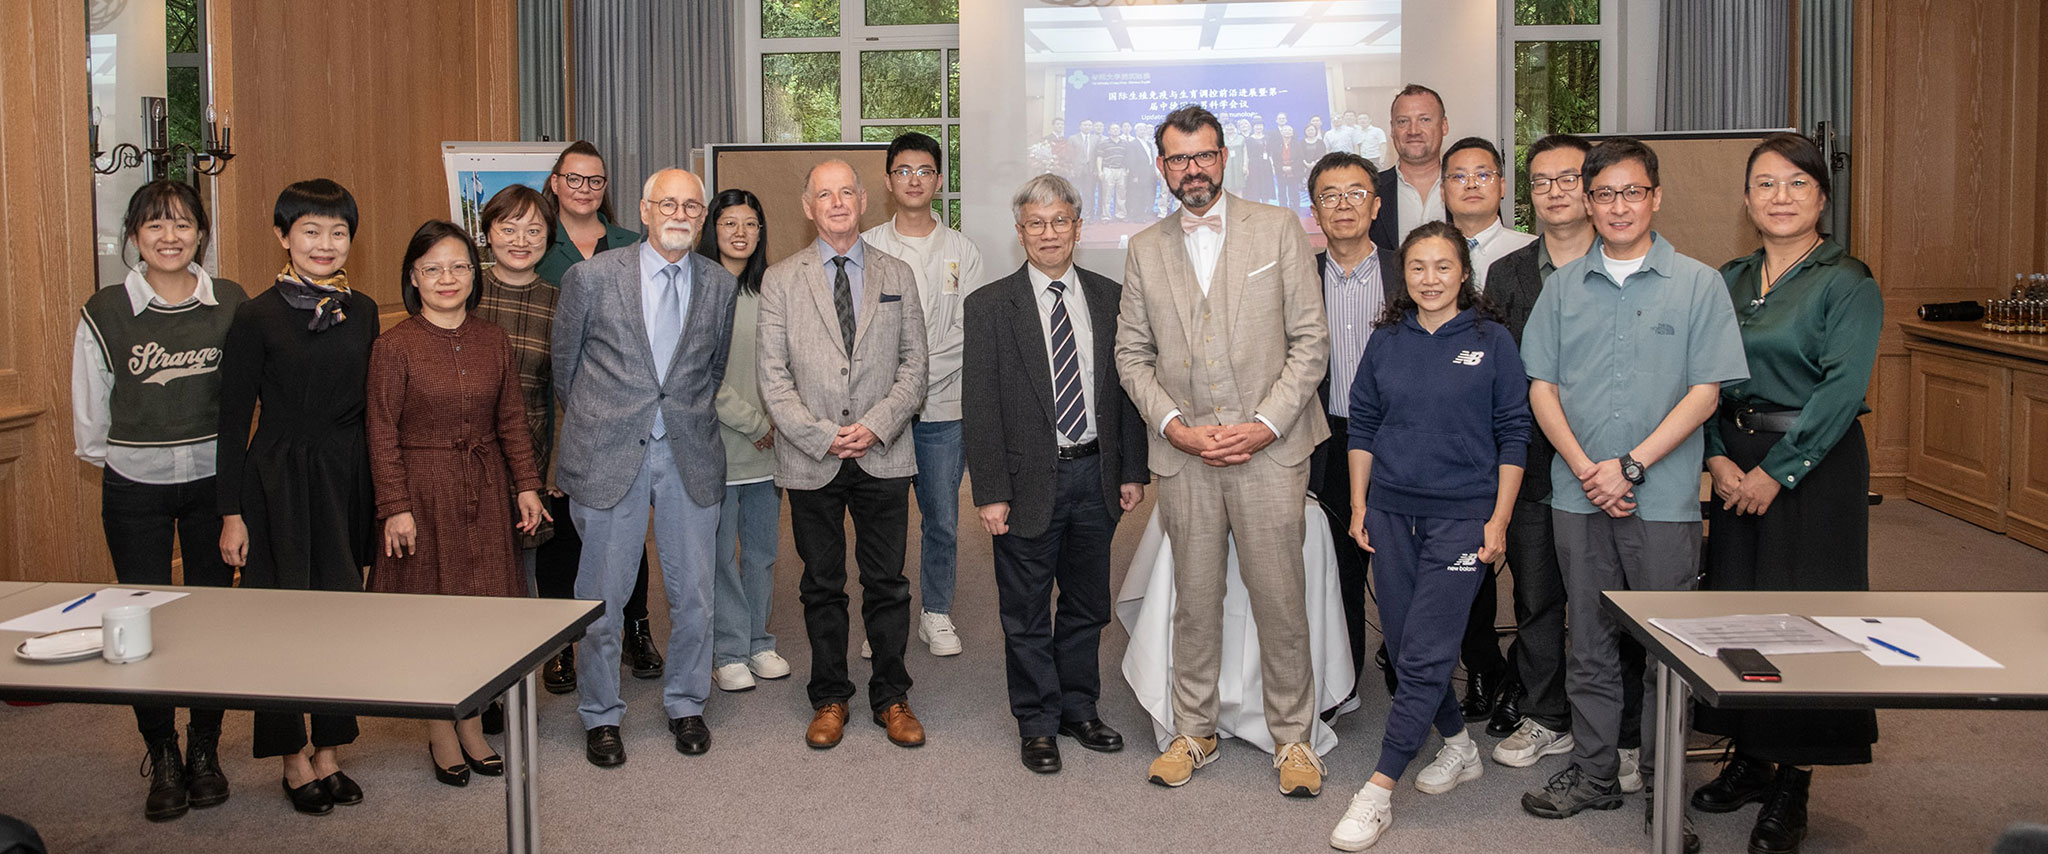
x=1289 y=81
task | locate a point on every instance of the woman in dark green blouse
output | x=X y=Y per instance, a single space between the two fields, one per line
x=578 y=190
x=1791 y=472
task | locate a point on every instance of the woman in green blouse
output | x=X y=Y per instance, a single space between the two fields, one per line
x=577 y=189
x=1791 y=471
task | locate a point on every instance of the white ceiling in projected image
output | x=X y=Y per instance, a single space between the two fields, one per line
x=1065 y=31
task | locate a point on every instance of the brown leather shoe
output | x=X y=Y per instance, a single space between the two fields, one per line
x=903 y=727
x=828 y=726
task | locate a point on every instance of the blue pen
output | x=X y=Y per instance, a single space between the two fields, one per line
x=67 y=608
x=1899 y=650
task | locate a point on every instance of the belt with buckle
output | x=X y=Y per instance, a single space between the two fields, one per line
x=1075 y=452
x=1750 y=420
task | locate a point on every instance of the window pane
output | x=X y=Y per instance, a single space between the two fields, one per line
x=796 y=19
x=888 y=133
x=953 y=217
x=800 y=97
x=885 y=13
x=952 y=84
x=953 y=159
x=181 y=26
x=1557 y=90
x=182 y=87
x=899 y=84
x=1544 y=12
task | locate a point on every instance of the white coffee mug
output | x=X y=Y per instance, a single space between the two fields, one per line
x=125 y=635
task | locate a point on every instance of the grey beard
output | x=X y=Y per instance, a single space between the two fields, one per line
x=1200 y=197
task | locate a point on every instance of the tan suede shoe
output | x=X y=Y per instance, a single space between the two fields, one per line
x=828 y=725
x=1177 y=765
x=1301 y=771
x=904 y=730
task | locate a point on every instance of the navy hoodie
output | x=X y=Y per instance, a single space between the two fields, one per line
x=1440 y=414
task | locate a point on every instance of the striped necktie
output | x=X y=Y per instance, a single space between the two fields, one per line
x=842 y=301
x=1069 y=408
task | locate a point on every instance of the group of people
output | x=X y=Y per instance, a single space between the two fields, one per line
x=1456 y=395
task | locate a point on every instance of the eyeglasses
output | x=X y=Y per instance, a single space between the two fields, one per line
x=1059 y=225
x=1203 y=159
x=1632 y=193
x=1800 y=189
x=1566 y=182
x=739 y=225
x=577 y=182
x=433 y=272
x=691 y=208
x=1480 y=178
x=1357 y=198
x=905 y=173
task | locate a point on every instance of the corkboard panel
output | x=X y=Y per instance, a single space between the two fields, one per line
x=1702 y=175
x=776 y=173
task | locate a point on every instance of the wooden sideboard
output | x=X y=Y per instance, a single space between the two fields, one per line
x=1978 y=426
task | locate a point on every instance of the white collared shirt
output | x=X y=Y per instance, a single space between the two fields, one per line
x=92 y=397
x=1496 y=242
x=1415 y=207
x=1205 y=246
x=1084 y=340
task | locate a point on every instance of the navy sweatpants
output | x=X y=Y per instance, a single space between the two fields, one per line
x=1425 y=574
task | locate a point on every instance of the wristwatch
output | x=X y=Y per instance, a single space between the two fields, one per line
x=1631 y=469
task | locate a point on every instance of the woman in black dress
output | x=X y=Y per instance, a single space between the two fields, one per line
x=295 y=499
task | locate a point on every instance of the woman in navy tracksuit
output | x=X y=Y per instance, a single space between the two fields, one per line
x=1439 y=424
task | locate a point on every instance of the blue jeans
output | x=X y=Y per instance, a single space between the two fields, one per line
x=748 y=534
x=940 y=461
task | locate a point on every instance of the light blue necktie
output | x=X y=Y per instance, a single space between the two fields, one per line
x=664 y=329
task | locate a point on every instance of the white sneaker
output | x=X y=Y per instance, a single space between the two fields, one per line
x=1631 y=776
x=1364 y=820
x=1531 y=741
x=768 y=665
x=866 y=651
x=937 y=631
x=1452 y=765
x=732 y=677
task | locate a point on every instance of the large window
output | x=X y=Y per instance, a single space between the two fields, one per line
x=1555 y=55
x=858 y=70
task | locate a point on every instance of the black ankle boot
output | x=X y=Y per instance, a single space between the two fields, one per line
x=1741 y=780
x=559 y=674
x=641 y=653
x=205 y=785
x=1781 y=823
x=1482 y=689
x=165 y=769
x=1507 y=714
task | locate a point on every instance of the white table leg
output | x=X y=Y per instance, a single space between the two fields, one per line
x=522 y=787
x=1668 y=830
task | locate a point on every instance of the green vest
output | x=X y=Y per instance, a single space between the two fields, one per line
x=166 y=364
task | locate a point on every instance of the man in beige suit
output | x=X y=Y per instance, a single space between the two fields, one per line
x=1221 y=343
x=842 y=370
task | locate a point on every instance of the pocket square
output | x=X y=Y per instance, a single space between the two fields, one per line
x=892 y=298
x=1269 y=266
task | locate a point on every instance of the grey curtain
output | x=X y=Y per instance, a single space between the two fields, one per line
x=540 y=69
x=653 y=79
x=1826 y=54
x=1724 y=64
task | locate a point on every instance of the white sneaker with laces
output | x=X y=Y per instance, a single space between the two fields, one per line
x=1364 y=820
x=732 y=677
x=768 y=664
x=936 y=630
x=1631 y=776
x=1452 y=765
x=1531 y=741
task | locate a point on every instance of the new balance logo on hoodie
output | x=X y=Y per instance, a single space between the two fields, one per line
x=1469 y=358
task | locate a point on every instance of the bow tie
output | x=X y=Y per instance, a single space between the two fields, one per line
x=1191 y=224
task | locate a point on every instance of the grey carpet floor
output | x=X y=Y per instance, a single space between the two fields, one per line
x=1944 y=781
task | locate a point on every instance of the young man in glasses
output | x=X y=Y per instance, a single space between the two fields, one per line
x=1474 y=184
x=1626 y=351
x=947 y=267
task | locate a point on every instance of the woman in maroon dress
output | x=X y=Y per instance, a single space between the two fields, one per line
x=449 y=445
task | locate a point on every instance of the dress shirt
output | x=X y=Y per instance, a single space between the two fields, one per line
x=1372 y=142
x=92 y=395
x=1205 y=246
x=651 y=283
x=1084 y=340
x=1354 y=299
x=1495 y=243
x=856 y=261
x=1415 y=206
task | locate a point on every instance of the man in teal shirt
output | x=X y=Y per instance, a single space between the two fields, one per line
x=1626 y=351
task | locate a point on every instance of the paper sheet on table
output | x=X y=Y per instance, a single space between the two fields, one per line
x=87 y=615
x=1770 y=634
x=1935 y=647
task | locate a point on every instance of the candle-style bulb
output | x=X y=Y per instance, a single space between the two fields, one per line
x=209 y=114
x=96 y=116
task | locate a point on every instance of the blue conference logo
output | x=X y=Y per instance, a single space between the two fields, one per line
x=1077 y=79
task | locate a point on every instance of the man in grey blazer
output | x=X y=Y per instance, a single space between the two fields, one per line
x=1221 y=342
x=640 y=343
x=842 y=370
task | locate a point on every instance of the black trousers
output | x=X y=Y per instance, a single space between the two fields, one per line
x=1480 y=650
x=880 y=508
x=1539 y=648
x=1352 y=561
x=140 y=520
x=1053 y=659
x=555 y=562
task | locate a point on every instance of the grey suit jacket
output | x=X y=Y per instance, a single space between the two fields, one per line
x=1007 y=402
x=1271 y=298
x=813 y=387
x=605 y=376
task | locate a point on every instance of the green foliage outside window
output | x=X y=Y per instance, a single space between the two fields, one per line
x=883 y=13
x=1561 y=12
x=182 y=83
x=1557 y=90
x=800 y=97
x=899 y=84
x=797 y=19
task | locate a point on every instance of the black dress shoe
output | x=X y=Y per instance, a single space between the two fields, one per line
x=641 y=653
x=1041 y=753
x=693 y=738
x=204 y=782
x=310 y=799
x=1507 y=714
x=1387 y=670
x=603 y=747
x=1781 y=823
x=1482 y=689
x=559 y=674
x=342 y=790
x=489 y=766
x=1094 y=735
x=167 y=796
x=1741 y=780
x=494 y=718
x=453 y=775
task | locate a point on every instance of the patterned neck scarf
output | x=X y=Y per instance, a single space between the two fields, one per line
x=325 y=296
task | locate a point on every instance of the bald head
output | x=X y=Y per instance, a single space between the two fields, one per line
x=834 y=200
x=672 y=208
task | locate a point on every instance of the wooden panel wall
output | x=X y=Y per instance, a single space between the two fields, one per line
x=1950 y=169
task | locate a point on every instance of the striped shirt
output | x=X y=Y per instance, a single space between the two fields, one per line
x=1354 y=300
x=527 y=312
